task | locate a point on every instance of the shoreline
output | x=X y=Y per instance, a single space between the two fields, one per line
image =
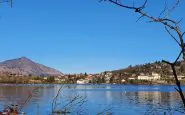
x=14 y=84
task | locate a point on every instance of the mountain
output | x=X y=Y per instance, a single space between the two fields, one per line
x=25 y=66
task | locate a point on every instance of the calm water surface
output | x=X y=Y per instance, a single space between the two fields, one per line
x=115 y=99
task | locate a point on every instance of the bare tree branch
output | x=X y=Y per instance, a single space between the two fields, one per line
x=68 y=106
x=140 y=18
x=7 y=1
x=178 y=57
x=183 y=34
x=176 y=80
x=180 y=21
x=55 y=98
x=30 y=95
x=178 y=84
x=176 y=89
x=167 y=62
x=174 y=6
x=164 y=10
x=105 y=111
x=172 y=36
x=137 y=9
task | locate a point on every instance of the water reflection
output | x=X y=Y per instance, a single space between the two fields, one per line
x=124 y=99
x=17 y=94
x=140 y=102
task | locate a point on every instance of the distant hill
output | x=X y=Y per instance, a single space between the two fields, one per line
x=25 y=66
x=158 y=67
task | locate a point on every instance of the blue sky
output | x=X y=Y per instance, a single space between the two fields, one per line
x=83 y=35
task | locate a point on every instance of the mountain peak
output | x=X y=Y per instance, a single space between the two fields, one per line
x=25 y=66
x=24 y=58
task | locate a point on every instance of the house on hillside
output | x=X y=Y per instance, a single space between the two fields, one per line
x=180 y=77
x=89 y=78
x=143 y=77
x=45 y=78
x=56 y=78
x=123 y=81
x=131 y=78
x=82 y=81
x=154 y=76
x=107 y=79
x=35 y=81
x=107 y=76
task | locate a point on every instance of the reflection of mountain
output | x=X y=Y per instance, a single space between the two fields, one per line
x=19 y=94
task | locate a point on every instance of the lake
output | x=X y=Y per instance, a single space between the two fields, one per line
x=92 y=99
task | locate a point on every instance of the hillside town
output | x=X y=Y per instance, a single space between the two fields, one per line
x=150 y=73
x=111 y=78
x=107 y=77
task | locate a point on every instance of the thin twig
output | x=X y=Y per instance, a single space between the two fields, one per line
x=172 y=36
x=178 y=57
x=174 y=6
x=28 y=98
x=167 y=62
x=164 y=10
x=7 y=1
x=55 y=98
x=140 y=18
x=183 y=34
x=105 y=111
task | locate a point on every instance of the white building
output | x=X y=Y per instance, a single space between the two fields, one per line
x=131 y=78
x=57 y=79
x=107 y=79
x=143 y=77
x=180 y=77
x=82 y=81
x=154 y=76
x=108 y=74
x=123 y=80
